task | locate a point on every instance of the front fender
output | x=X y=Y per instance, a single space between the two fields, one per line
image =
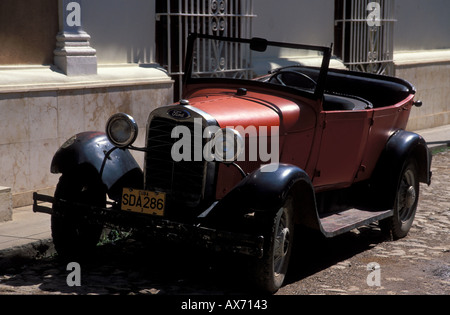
x=264 y=191
x=116 y=168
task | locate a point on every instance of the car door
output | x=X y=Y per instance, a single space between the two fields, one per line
x=344 y=137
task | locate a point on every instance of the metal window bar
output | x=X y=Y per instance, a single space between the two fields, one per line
x=231 y=18
x=368 y=48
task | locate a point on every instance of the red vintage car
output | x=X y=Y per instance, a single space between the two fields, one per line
x=268 y=139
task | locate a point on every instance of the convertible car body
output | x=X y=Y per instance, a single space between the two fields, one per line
x=267 y=139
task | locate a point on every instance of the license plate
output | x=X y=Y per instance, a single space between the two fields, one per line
x=143 y=201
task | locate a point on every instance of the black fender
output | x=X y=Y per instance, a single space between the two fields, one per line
x=265 y=191
x=401 y=147
x=116 y=168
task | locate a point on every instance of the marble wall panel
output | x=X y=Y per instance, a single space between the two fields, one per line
x=5 y=204
x=14 y=119
x=432 y=82
x=42 y=115
x=70 y=113
x=15 y=166
x=119 y=101
x=33 y=126
x=96 y=109
x=40 y=158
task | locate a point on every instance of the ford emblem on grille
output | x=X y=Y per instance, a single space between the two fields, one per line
x=179 y=114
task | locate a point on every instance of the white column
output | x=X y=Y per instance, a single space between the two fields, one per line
x=73 y=53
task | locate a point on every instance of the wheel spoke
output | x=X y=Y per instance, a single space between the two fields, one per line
x=407 y=196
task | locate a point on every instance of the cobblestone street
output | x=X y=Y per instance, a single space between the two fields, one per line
x=417 y=264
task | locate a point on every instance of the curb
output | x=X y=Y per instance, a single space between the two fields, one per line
x=438 y=145
x=11 y=257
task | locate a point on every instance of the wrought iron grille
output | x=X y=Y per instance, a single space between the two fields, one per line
x=176 y=19
x=364 y=34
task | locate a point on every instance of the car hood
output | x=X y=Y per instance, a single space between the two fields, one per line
x=252 y=109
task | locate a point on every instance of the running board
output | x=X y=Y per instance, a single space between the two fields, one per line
x=341 y=222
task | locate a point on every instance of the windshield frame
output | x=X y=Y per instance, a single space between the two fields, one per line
x=256 y=44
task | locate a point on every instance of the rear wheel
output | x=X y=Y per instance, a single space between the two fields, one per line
x=73 y=233
x=405 y=205
x=270 y=271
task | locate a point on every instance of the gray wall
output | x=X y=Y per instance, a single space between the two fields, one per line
x=300 y=21
x=122 y=31
x=422 y=25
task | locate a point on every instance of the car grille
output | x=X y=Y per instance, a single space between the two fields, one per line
x=184 y=180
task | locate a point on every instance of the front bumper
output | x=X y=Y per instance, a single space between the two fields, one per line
x=156 y=227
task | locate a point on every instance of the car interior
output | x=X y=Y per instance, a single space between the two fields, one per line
x=345 y=90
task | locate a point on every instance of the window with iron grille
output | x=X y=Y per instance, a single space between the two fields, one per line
x=364 y=34
x=176 y=19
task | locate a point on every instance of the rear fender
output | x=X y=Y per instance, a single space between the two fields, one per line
x=401 y=147
x=116 y=167
x=263 y=191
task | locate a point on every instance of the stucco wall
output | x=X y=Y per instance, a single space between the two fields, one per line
x=122 y=31
x=422 y=25
x=299 y=21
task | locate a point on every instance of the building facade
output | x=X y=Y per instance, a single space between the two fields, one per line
x=413 y=41
x=66 y=66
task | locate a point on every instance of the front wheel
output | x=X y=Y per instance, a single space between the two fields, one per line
x=270 y=270
x=73 y=233
x=405 y=205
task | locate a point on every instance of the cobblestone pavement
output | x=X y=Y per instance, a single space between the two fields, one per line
x=417 y=264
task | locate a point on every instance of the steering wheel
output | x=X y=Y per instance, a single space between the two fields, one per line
x=278 y=77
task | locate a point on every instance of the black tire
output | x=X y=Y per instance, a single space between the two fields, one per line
x=270 y=271
x=74 y=236
x=405 y=204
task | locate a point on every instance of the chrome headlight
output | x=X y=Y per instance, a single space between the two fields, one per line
x=121 y=130
x=229 y=145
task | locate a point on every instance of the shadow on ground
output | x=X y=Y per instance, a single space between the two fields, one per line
x=131 y=266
